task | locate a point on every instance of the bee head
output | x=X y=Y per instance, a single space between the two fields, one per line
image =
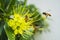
x=44 y=13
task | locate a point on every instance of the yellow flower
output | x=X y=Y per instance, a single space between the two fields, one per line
x=15 y=31
x=11 y=23
x=14 y=27
x=20 y=31
x=19 y=25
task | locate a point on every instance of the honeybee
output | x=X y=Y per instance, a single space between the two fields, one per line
x=26 y=18
x=46 y=14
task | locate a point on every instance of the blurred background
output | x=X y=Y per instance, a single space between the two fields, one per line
x=52 y=6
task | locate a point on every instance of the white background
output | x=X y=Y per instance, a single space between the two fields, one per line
x=54 y=7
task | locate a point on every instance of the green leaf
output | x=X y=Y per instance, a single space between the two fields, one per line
x=3 y=4
x=7 y=5
x=1 y=26
x=32 y=8
x=10 y=5
x=3 y=35
x=9 y=32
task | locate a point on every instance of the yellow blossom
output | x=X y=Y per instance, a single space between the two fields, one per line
x=19 y=25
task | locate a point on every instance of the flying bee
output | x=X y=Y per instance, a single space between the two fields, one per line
x=26 y=18
x=46 y=14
